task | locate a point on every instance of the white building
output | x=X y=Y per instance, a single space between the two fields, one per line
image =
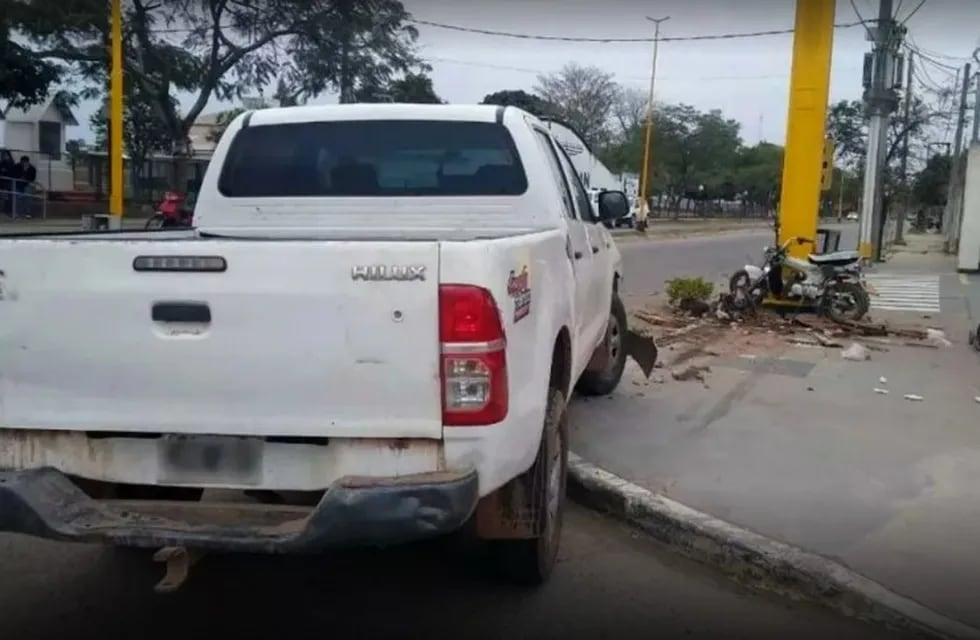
x=39 y=132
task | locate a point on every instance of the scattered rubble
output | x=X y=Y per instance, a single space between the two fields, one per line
x=856 y=352
x=690 y=372
x=687 y=331
x=691 y=323
x=937 y=338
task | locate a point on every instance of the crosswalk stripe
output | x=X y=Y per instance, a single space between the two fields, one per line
x=897 y=292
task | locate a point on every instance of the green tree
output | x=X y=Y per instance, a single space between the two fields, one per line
x=286 y=95
x=930 y=185
x=847 y=124
x=758 y=173
x=220 y=49
x=221 y=121
x=522 y=100
x=144 y=132
x=694 y=149
x=25 y=78
x=584 y=97
x=414 y=88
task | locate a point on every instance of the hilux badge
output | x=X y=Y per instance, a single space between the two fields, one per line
x=381 y=272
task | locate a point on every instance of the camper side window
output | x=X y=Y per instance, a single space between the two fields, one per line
x=583 y=204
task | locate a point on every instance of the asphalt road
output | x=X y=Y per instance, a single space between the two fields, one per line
x=611 y=583
x=648 y=263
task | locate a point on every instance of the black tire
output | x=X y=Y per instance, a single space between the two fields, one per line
x=531 y=562
x=860 y=302
x=155 y=222
x=602 y=383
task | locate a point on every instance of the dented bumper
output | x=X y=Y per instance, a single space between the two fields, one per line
x=353 y=512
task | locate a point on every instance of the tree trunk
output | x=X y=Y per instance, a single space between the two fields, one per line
x=181 y=163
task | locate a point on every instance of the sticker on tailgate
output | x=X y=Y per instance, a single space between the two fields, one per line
x=519 y=289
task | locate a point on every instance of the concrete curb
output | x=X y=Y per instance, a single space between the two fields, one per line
x=759 y=561
x=654 y=233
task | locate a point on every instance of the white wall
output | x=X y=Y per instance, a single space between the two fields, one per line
x=19 y=137
x=968 y=256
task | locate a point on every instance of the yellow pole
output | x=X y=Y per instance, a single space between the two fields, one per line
x=809 y=89
x=116 y=115
x=644 y=207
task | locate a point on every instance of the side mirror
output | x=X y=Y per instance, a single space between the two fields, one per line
x=613 y=205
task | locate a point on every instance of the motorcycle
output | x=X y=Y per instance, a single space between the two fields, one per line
x=833 y=283
x=171 y=214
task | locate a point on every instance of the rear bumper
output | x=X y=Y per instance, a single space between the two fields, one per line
x=353 y=512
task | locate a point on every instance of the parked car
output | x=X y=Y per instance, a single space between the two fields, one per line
x=371 y=333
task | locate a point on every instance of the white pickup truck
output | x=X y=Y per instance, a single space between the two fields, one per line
x=369 y=338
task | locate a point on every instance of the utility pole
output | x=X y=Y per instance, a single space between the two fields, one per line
x=641 y=222
x=809 y=86
x=881 y=100
x=116 y=180
x=975 y=138
x=900 y=218
x=954 y=203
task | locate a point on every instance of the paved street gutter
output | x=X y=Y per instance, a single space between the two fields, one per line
x=753 y=559
x=662 y=230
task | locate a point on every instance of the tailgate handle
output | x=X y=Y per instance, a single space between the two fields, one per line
x=198 y=312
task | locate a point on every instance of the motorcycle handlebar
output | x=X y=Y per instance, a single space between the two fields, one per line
x=797 y=240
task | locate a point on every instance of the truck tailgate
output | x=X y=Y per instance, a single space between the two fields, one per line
x=294 y=344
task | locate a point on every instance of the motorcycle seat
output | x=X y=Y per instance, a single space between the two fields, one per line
x=837 y=258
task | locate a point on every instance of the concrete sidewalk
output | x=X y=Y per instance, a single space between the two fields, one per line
x=56 y=225
x=795 y=443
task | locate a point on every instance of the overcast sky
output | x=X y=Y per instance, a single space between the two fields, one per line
x=747 y=78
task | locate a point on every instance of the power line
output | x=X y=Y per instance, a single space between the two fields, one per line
x=609 y=40
x=861 y=19
x=911 y=13
x=527 y=36
x=948 y=69
x=927 y=82
x=490 y=65
x=934 y=53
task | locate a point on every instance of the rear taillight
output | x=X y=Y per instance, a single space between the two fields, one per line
x=474 y=357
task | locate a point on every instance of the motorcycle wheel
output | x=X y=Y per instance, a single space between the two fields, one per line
x=855 y=299
x=742 y=297
x=155 y=222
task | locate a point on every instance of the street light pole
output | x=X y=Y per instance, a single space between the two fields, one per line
x=881 y=100
x=116 y=116
x=644 y=176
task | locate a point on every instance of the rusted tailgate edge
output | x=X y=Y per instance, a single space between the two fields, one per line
x=47 y=504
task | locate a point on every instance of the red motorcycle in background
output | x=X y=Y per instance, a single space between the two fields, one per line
x=171 y=213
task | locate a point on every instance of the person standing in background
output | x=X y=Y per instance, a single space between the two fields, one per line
x=24 y=179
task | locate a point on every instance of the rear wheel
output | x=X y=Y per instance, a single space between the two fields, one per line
x=531 y=561
x=601 y=383
x=846 y=301
x=156 y=221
